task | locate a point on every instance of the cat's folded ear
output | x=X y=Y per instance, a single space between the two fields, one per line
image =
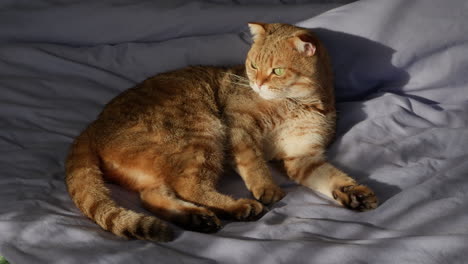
x=304 y=43
x=257 y=30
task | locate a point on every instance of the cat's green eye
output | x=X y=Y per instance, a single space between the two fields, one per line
x=253 y=65
x=278 y=71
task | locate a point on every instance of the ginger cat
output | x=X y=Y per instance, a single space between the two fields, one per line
x=169 y=137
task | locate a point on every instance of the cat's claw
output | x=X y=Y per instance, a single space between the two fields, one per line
x=356 y=197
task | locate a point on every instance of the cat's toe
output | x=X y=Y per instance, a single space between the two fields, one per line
x=247 y=210
x=356 y=197
x=268 y=194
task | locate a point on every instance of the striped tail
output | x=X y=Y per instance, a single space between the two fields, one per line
x=88 y=191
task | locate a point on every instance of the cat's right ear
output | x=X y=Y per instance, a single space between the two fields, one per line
x=304 y=43
x=257 y=30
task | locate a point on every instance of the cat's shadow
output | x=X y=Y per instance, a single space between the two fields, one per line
x=363 y=70
x=362 y=67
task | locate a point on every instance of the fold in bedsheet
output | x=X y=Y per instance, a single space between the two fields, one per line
x=402 y=92
x=98 y=22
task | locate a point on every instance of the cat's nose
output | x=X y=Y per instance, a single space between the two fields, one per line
x=259 y=83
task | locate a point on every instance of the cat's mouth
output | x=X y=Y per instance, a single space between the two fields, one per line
x=264 y=92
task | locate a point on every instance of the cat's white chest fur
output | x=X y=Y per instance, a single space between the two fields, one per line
x=300 y=134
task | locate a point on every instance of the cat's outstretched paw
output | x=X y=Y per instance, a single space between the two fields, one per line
x=268 y=194
x=247 y=210
x=356 y=197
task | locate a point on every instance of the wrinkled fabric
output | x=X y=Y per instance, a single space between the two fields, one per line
x=402 y=97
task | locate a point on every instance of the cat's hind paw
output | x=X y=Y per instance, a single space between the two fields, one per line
x=202 y=222
x=356 y=197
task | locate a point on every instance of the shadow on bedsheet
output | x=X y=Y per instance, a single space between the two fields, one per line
x=363 y=70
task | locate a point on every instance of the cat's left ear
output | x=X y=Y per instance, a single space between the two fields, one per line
x=257 y=30
x=304 y=43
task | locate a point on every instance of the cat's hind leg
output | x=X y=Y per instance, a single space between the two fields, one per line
x=315 y=172
x=141 y=170
x=198 y=179
x=163 y=201
x=223 y=205
x=197 y=184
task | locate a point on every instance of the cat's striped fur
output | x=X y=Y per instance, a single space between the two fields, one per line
x=169 y=138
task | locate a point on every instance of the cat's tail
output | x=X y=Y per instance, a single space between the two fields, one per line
x=86 y=186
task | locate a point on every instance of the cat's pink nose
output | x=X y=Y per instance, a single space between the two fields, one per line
x=259 y=83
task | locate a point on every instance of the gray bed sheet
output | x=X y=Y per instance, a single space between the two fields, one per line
x=401 y=72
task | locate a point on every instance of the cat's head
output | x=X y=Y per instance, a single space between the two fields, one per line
x=282 y=61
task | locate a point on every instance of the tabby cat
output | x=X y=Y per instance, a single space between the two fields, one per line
x=169 y=138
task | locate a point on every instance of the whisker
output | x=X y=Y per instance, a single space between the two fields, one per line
x=241 y=84
x=317 y=84
x=238 y=80
x=241 y=79
x=245 y=85
x=237 y=76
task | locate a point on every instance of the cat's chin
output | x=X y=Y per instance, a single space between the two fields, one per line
x=267 y=96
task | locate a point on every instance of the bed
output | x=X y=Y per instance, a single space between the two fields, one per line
x=401 y=74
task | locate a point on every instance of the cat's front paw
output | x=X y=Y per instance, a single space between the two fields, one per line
x=268 y=194
x=247 y=210
x=356 y=197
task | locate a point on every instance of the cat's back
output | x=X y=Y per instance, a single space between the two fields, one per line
x=191 y=85
x=163 y=101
